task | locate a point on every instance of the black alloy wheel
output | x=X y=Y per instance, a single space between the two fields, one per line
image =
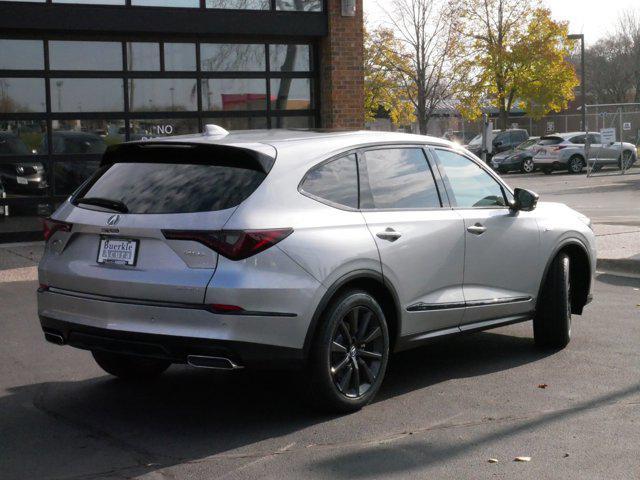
x=357 y=351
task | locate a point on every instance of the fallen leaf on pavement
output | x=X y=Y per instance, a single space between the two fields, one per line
x=566 y=455
x=493 y=460
x=522 y=459
x=543 y=385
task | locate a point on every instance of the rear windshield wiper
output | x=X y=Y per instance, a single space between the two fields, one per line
x=115 y=205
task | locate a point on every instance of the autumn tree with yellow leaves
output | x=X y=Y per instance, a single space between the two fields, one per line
x=517 y=56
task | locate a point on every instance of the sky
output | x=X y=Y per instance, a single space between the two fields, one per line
x=594 y=18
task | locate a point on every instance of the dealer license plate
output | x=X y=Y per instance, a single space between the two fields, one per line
x=118 y=251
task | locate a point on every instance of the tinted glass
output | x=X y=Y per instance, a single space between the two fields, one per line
x=21 y=54
x=143 y=56
x=167 y=3
x=299 y=5
x=232 y=57
x=336 y=181
x=234 y=94
x=292 y=122
x=87 y=95
x=179 y=57
x=290 y=58
x=162 y=95
x=550 y=141
x=175 y=188
x=239 y=4
x=85 y=136
x=398 y=178
x=579 y=140
x=145 y=129
x=22 y=95
x=595 y=138
x=69 y=55
x=471 y=186
x=69 y=175
x=239 y=123
x=93 y=2
x=291 y=94
x=22 y=137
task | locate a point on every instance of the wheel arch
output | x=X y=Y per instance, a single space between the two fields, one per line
x=371 y=282
x=579 y=273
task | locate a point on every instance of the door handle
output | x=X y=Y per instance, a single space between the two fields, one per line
x=389 y=234
x=477 y=229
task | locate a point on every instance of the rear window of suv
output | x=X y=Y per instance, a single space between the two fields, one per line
x=173 y=187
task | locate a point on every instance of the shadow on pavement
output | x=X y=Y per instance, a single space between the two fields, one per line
x=187 y=415
x=618 y=280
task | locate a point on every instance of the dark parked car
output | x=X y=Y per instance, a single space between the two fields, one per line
x=69 y=175
x=27 y=178
x=520 y=159
x=503 y=141
x=458 y=136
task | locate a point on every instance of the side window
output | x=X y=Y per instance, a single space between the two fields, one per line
x=579 y=140
x=335 y=181
x=471 y=185
x=397 y=178
x=595 y=138
x=522 y=136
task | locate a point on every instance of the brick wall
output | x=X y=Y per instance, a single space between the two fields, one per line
x=341 y=70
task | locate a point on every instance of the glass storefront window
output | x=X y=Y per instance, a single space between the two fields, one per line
x=23 y=178
x=93 y=2
x=240 y=123
x=239 y=4
x=73 y=55
x=292 y=122
x=226 y=94
x=22 y=137
x=87 y=95
x=21 y=54
x=167 y=3
x=145 y=129
x=232 y=57
x=290 y=58
x=179 y=57
x=22 y=95
x=299 y=5
x=81 y=137
x=143 y=56
x=291 y=94
x=163 y=95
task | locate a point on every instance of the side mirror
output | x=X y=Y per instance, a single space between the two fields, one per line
x=524 y=200
x=497 y=143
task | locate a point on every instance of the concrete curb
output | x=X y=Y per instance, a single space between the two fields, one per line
x=619 y=265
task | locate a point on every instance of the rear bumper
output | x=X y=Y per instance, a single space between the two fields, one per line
x=172 y=331
x=173 y=348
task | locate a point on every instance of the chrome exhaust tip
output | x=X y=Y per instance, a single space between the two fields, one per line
x=54 y=338
x=214 y=363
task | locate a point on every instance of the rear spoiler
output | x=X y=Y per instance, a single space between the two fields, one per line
x=192 y=153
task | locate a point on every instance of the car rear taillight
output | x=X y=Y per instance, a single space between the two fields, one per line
x=50 y=226
x=232 y=244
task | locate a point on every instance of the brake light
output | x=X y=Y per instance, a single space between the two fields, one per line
x=50 y=226
x=232 y=244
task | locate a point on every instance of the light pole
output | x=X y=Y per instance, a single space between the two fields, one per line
x=583 y=77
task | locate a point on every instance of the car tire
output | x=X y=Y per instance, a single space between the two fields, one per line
x=575 y=164
x=349 y=354
x=527 y=166
x=625 y=160
x=129 y=367
x=552 y=321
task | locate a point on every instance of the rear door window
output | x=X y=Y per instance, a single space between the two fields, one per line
x=546 y=141
x=579 y=140
x=174 y=187
x=335 y=181
x=397 y=178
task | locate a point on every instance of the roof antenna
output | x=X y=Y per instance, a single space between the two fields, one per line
x=212 y=130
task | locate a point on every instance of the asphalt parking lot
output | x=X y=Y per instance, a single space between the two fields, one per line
x=443 y=412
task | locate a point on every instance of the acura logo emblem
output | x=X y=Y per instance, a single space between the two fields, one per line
x=113 y=220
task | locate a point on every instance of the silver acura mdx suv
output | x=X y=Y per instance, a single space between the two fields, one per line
x=323 y=252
